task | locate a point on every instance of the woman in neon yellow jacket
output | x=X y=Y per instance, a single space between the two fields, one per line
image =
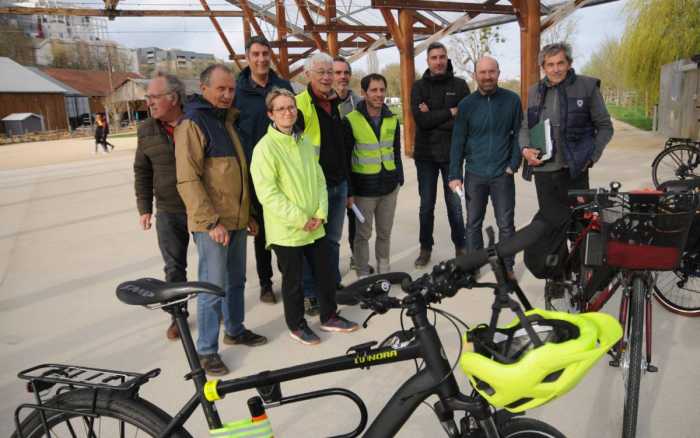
x=291 y=188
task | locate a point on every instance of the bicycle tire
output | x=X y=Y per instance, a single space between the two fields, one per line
x=676 y=299
x=134 y=415
x=675 y=163
x=634 y=347
x=529 y=428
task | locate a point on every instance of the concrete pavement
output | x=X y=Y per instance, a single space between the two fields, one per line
x=69 y=234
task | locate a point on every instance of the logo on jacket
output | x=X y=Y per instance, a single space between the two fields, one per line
x=579 y=103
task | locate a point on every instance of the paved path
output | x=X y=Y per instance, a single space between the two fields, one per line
x=69 y=235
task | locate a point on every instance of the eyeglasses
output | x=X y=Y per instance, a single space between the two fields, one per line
x=154 y=96
x=289 y=109
x=323 y=72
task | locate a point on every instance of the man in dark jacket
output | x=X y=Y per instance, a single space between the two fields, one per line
x=434 y=100
x=154 y=174
x=485 y=137
x=580 y=124
x=253 y=84
x=376 y=172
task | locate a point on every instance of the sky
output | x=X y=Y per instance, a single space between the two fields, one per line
x=594 y=25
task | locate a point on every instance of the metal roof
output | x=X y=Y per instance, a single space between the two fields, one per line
x=19 y=116
x=67 y=90
x=19 y=79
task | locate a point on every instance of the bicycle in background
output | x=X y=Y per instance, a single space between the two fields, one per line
x=538 y=357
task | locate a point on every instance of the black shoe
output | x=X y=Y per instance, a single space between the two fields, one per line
x=267 y=295
x=213 y=365
x=423 y=258
x=246 y=338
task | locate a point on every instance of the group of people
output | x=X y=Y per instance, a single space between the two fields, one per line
x=249 y=157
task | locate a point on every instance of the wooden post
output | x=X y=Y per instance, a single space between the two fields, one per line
x=528 y=13
x=283 y=65
x=408 y=74
x=246 y=30
x=332 y=37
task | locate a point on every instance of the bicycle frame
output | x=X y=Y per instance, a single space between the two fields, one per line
x=436 y=378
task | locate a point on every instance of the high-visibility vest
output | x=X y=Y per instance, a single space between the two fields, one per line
x=312 y=127
x=370 y=153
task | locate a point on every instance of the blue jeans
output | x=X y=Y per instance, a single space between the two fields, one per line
x=502 y=192
x=223 y=266
x=428 y=172
x=337 y=200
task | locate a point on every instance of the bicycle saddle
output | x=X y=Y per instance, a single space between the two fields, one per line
x=145 y=291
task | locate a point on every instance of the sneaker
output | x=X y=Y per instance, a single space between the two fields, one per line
x=267 y=295
x=423 y=258
x=460 y=252
x=304 y=335
x=246 y=338
x=213 y=365
x=337 y=323
x=311 y=306
x=172 y=333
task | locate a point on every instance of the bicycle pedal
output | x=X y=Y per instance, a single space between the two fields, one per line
x=652 y=368
x=614 y=363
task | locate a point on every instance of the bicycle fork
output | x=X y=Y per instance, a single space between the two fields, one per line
x=624 y=319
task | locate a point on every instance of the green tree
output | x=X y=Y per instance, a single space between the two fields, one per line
x=658 y=32
x=15 y=44
x=606 y=64
x=392 y=73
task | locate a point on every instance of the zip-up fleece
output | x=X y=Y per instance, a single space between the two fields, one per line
x=485 y=134
x=212 y=172
x=291 y=187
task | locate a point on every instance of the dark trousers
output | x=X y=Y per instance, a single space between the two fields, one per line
x=428 y=172
x=263 y=256
x=291 y=262
x=552 y=194
x=173 y=239
x=351 y=229
x=501 y=189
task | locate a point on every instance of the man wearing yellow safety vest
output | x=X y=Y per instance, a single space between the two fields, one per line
x=321 y=122
x=376 y=172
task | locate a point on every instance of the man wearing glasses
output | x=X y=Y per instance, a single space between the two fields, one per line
x=154 y=174
x=320 y=119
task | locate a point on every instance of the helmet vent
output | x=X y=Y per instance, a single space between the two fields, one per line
x=520 y=402
x=484 y=387
x=552 y=377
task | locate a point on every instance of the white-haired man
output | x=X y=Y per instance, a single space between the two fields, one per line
x=321 y=122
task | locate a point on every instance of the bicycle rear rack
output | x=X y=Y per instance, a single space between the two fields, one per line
x=42 y=378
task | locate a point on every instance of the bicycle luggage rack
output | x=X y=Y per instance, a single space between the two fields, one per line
x=43 y=377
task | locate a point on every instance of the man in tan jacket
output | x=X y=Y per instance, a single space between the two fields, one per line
x=212 y=179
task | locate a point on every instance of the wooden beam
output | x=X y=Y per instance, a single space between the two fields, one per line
x=393 y=27
x=528 y=13
x=87 y=12
x=351 y=28
x=295 y=72
x=427 y=22
x=246 y=30
x=408 y=74
x=215 y=23
x=331 y=37
x=283 y=66
x=298 y=56
x=319 y=11
x=443 y=6
x=301 y=5
x=306 y=44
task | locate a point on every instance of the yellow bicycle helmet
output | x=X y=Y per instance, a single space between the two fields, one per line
x=509 y=372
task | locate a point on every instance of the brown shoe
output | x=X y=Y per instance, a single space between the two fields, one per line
x=267 y=295
x=173 y=333
x=213 y=365
x=423 y=258
x=460 y=252
x=246 y=338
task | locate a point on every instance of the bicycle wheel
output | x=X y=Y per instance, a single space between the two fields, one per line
x=675 y=163
x=632 y=357
x=678 y=292
x=529 y=428
x=117 y=416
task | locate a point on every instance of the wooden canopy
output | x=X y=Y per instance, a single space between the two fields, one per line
x=297 y=28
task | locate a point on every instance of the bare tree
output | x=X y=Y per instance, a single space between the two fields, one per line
x=466 y=48
x=562 y=31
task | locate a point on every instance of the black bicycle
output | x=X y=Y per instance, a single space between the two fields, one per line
x=679 y=160
x=79 y=401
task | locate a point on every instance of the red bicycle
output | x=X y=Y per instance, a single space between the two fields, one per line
x=619 y=241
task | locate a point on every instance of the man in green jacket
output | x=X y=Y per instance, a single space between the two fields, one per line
x=291 y=187
x=485 y=138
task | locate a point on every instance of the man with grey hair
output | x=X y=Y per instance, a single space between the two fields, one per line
x=485 y=139
x=580 y=130
x=213 y=180
x=321 y=122
x=154 y=174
